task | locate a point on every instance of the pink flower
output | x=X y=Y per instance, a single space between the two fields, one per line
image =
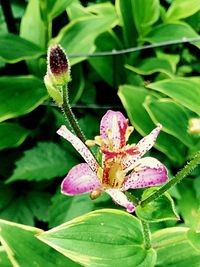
x=121 y=166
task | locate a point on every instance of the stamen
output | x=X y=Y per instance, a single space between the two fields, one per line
x=129 y=131
x=99 y=140
x=95 y=193
x=90 y=143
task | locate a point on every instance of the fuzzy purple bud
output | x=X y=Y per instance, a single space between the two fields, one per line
x=58 y=62
x=58 y=73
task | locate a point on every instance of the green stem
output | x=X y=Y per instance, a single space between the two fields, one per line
x=70 y=116
x=132 y=198
x=179 y=176
x=146 y=234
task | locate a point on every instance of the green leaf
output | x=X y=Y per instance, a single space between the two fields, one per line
x=146 y=13
x=180 y=9
x=21 y=95
x=170 y=32
x=80 y=34
x=184 y=90
x=194 y=238
x=111 y=69
x=4 y=261
x=132 y=98
x=76 y=10
x=173 y=248
x=23 y=206
x=12 y=135
x=55 y=8
x=23 y=248
x=38 y=31
x=152 y=65
x=173 y=117
x=189 y=204
x=45 y=161
x=102 y=238
x=14 y=48
x=77 y=84
x=65 y=208
x=124 y=11
x=161 y=209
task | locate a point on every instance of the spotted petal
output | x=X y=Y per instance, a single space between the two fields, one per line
x=117 y=125
x=143 y=146
x=79 y=146
x=121 y=199
x=80 y=179
x=147 y=172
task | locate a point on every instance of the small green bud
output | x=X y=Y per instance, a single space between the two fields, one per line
x=56 y=94
x=58 y=72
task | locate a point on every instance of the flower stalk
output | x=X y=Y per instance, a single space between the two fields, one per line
x=146 y=234
x=179 y=176
x=66 y=108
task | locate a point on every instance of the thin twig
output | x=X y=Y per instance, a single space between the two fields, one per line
x=134 y=49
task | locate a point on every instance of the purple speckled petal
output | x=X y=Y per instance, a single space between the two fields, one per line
x=148 y=172
x=143 y=146
x=117 y=124
x=80 y=179
x=121 y=199
x=79 y=146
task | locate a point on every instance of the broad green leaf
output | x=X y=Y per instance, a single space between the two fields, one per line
x=173 y=117
x=124 y=11
x=55 y=8
x=146 y=13
x=80 y=34
x=185 y=91
x=102 y=238
x=45 y=161
x=194 y=238
x=24 y=249
x=152 y=65
x=23 y=206
x=173 y=248
x=133 y=98
x=21 y=95
x=161 y=209
x=111 y=69
x=14 y=48
x=37 y=34
x=12 y=135
x=4 y=261
x=180 y=9
x=170 y=32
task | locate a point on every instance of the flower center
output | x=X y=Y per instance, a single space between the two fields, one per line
x=112 y=174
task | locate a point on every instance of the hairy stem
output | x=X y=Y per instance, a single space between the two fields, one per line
x=70 y=116
x=179 y=176
x=146 y=234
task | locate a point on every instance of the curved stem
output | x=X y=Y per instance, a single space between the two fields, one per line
x=179 y=176
x=146 y=234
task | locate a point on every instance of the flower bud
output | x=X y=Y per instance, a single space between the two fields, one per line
x=58 y=72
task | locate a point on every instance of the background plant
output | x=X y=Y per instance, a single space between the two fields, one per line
x=159 y=84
